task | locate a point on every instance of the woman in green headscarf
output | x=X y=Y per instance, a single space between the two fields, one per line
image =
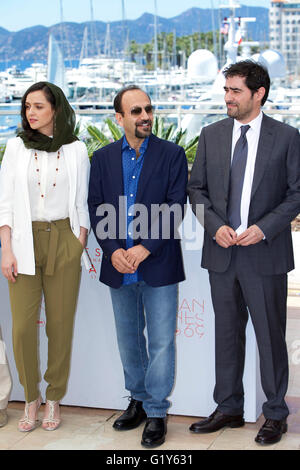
x=44 y=223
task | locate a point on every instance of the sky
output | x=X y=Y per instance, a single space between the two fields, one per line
x=19 y=14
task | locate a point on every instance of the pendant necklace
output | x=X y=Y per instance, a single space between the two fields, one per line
x=38 y=172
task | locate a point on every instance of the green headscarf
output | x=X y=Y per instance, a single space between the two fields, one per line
x=64 y=121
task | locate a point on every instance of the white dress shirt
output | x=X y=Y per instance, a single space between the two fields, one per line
x=252 y=137
x=54 y=205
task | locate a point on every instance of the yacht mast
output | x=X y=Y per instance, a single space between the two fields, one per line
x=231 y=46
x=155 y=36
x=84 y=47
x=124 y=38
x=174 y=50
x=61 y=27
x=95 y=47
x=212 y=9
x=64 y=37
x=107 y=44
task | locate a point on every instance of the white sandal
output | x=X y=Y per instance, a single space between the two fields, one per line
x=32 y=423
x=50 y=418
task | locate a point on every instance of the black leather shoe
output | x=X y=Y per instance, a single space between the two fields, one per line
x=154 y=432
x=217 y=421
x=132 y=417
x=271 y=431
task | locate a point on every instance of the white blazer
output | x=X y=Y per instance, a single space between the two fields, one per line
x=14 y=197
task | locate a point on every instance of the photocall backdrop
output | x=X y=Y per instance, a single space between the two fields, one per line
x=96 y=376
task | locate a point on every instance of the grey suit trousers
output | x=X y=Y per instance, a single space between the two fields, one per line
x=236 y=292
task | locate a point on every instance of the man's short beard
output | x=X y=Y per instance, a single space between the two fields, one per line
x=238 y=113
x=140 y=135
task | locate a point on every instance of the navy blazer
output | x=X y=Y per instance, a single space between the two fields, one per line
x=163 y=180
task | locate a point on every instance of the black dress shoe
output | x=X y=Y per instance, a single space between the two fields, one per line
x=154 y=432
x=132 y=417
x=271 y=431
x=217 y=421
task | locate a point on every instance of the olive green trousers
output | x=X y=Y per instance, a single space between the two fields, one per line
x=57 y=278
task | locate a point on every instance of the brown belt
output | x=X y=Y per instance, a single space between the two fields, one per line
x=54 y=228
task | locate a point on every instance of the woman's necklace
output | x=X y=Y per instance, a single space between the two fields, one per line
x=38 y=171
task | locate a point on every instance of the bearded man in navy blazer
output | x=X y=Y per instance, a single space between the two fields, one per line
x=142 y=264
x=247 y=175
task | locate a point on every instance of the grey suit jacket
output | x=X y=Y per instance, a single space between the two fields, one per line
x=275 y=195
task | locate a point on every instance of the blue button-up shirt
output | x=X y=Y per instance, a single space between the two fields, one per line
x=132 y=167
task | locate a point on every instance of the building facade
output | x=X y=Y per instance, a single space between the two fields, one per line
x=284 y=22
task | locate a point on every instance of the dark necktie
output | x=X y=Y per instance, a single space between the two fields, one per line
x=237 y=175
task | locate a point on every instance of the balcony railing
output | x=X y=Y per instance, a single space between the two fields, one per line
x=288 y=112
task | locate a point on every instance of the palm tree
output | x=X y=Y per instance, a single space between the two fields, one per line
x=98 y=139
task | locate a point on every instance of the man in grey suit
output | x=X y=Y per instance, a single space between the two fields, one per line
x=247 y=175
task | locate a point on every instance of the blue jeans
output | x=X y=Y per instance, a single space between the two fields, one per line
x=149 y=369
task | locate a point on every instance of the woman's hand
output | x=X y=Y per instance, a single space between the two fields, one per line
x=9 y=265
x=83 y=236
x=8 y=262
